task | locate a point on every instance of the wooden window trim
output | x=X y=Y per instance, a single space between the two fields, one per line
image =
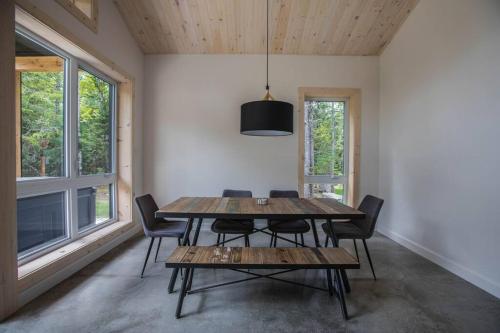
x=90 y=22
x=34 y=272
x=43 y=267
x=354 y=97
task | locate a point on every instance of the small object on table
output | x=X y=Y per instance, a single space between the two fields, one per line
x=261 y=201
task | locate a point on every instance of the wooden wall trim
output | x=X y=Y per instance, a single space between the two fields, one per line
x=354 y=97
x=90 y=22
x=41 y=268
x=8 y=232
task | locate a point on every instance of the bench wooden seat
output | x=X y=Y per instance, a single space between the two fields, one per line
x=259 y=257
x=239 y=258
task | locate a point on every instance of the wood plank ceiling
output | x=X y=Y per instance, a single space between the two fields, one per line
x=319 y=27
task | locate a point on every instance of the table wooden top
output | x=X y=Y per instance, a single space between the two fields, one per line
x=261 y=257
x=277 y=208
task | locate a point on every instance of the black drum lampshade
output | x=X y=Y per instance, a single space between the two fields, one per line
x=266 y=118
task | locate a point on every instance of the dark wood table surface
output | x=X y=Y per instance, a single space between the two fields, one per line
x=277 y=208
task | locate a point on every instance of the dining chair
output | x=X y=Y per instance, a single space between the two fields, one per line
x=234 y=226
x=358 y=229
x=294 y=227
x=157 y=227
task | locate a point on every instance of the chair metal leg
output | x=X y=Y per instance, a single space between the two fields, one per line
x=275 y=239
x=296 y=243
x=326 y=241
x=182 y=294
x=147 y=256
x=356 y=249
x=179 y=241
x=247 y=241
x=369 y=259
x=302 y=239
x=223 y=239
x=272 y=239
x=158 y=248
x=218 y=239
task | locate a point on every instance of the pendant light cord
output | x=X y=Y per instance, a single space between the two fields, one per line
x=267 y=48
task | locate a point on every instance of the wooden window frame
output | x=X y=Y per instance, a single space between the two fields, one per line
x=353 y=96
x=35 y=272
x=90 y=22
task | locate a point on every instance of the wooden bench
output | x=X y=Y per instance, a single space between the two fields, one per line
x=237 y=258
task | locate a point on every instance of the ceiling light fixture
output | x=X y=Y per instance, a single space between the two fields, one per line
x=266 y=117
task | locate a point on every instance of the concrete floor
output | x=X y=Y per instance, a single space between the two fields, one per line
x=411 y=295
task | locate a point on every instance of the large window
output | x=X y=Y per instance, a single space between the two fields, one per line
x=65 y=147
x=325 y=148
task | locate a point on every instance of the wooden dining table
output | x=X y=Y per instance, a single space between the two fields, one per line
x=281 y=209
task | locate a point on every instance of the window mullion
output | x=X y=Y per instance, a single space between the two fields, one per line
x=72 y=161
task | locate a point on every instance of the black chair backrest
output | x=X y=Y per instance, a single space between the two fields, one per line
x=236 y=194
x=147 y=208
x=371 y=206
x=283 y=194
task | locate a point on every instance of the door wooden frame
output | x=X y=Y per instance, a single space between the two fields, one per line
x=353 y=95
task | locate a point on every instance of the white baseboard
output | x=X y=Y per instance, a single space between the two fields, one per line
x=475 y=278
x=38 y=289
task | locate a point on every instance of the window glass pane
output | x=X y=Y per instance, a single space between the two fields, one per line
x=95 y=119
x=95 y=206
x=324 y=135
x=333 y=191
x=39 y=110
x=41 y=221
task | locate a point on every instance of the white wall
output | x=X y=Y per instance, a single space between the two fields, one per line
x=114 y=41
x=192 y=111
x=440 y=136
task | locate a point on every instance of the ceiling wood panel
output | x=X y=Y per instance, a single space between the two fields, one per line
x=319 y=27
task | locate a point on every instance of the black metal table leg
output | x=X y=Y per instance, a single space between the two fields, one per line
x=335 y=243
x=329 y=278
x=195 y=241
x=315 y=233
x=182 y=294
x=175 y=272
x=340 y=294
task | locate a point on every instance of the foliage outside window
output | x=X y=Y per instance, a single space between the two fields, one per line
x=65 y=147
x=325 y=148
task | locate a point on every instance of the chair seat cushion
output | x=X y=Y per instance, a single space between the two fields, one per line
x=168 y=228
x=288 y=226
x=223 y=226
x=344 y=230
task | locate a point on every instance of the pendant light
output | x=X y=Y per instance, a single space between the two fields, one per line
x=267 y=117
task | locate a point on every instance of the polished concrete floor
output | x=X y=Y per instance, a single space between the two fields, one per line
x=410 y=295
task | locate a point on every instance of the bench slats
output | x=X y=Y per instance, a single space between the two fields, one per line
x=261 y=257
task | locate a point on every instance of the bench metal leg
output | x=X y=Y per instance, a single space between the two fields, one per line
x=340 y=294
x=182 y=294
